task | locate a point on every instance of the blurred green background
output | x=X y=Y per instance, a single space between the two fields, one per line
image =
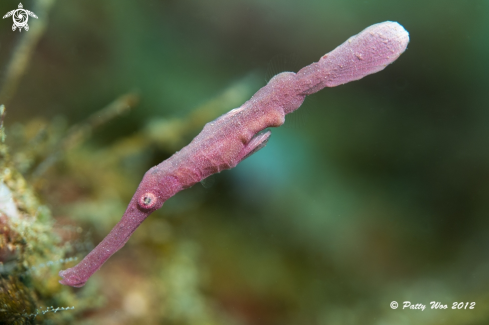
x=372 y=192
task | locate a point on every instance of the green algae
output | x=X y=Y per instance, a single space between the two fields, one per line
x=31 y=252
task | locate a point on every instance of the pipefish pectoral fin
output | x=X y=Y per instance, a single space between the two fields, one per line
x=209 y=181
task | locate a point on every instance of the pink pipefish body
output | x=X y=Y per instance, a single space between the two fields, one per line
x=226 y=141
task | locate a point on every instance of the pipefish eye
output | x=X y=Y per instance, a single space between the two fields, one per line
x=147 y=200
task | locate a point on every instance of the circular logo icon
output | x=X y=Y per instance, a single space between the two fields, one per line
x=20 y=17
x=394 y=305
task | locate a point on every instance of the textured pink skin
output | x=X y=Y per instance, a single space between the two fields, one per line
x=226 y=141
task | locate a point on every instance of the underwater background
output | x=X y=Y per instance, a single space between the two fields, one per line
x=372 y=192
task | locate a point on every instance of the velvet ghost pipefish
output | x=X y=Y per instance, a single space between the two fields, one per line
x=226 y=141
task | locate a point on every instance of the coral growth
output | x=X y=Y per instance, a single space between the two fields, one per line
x=30 y=252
